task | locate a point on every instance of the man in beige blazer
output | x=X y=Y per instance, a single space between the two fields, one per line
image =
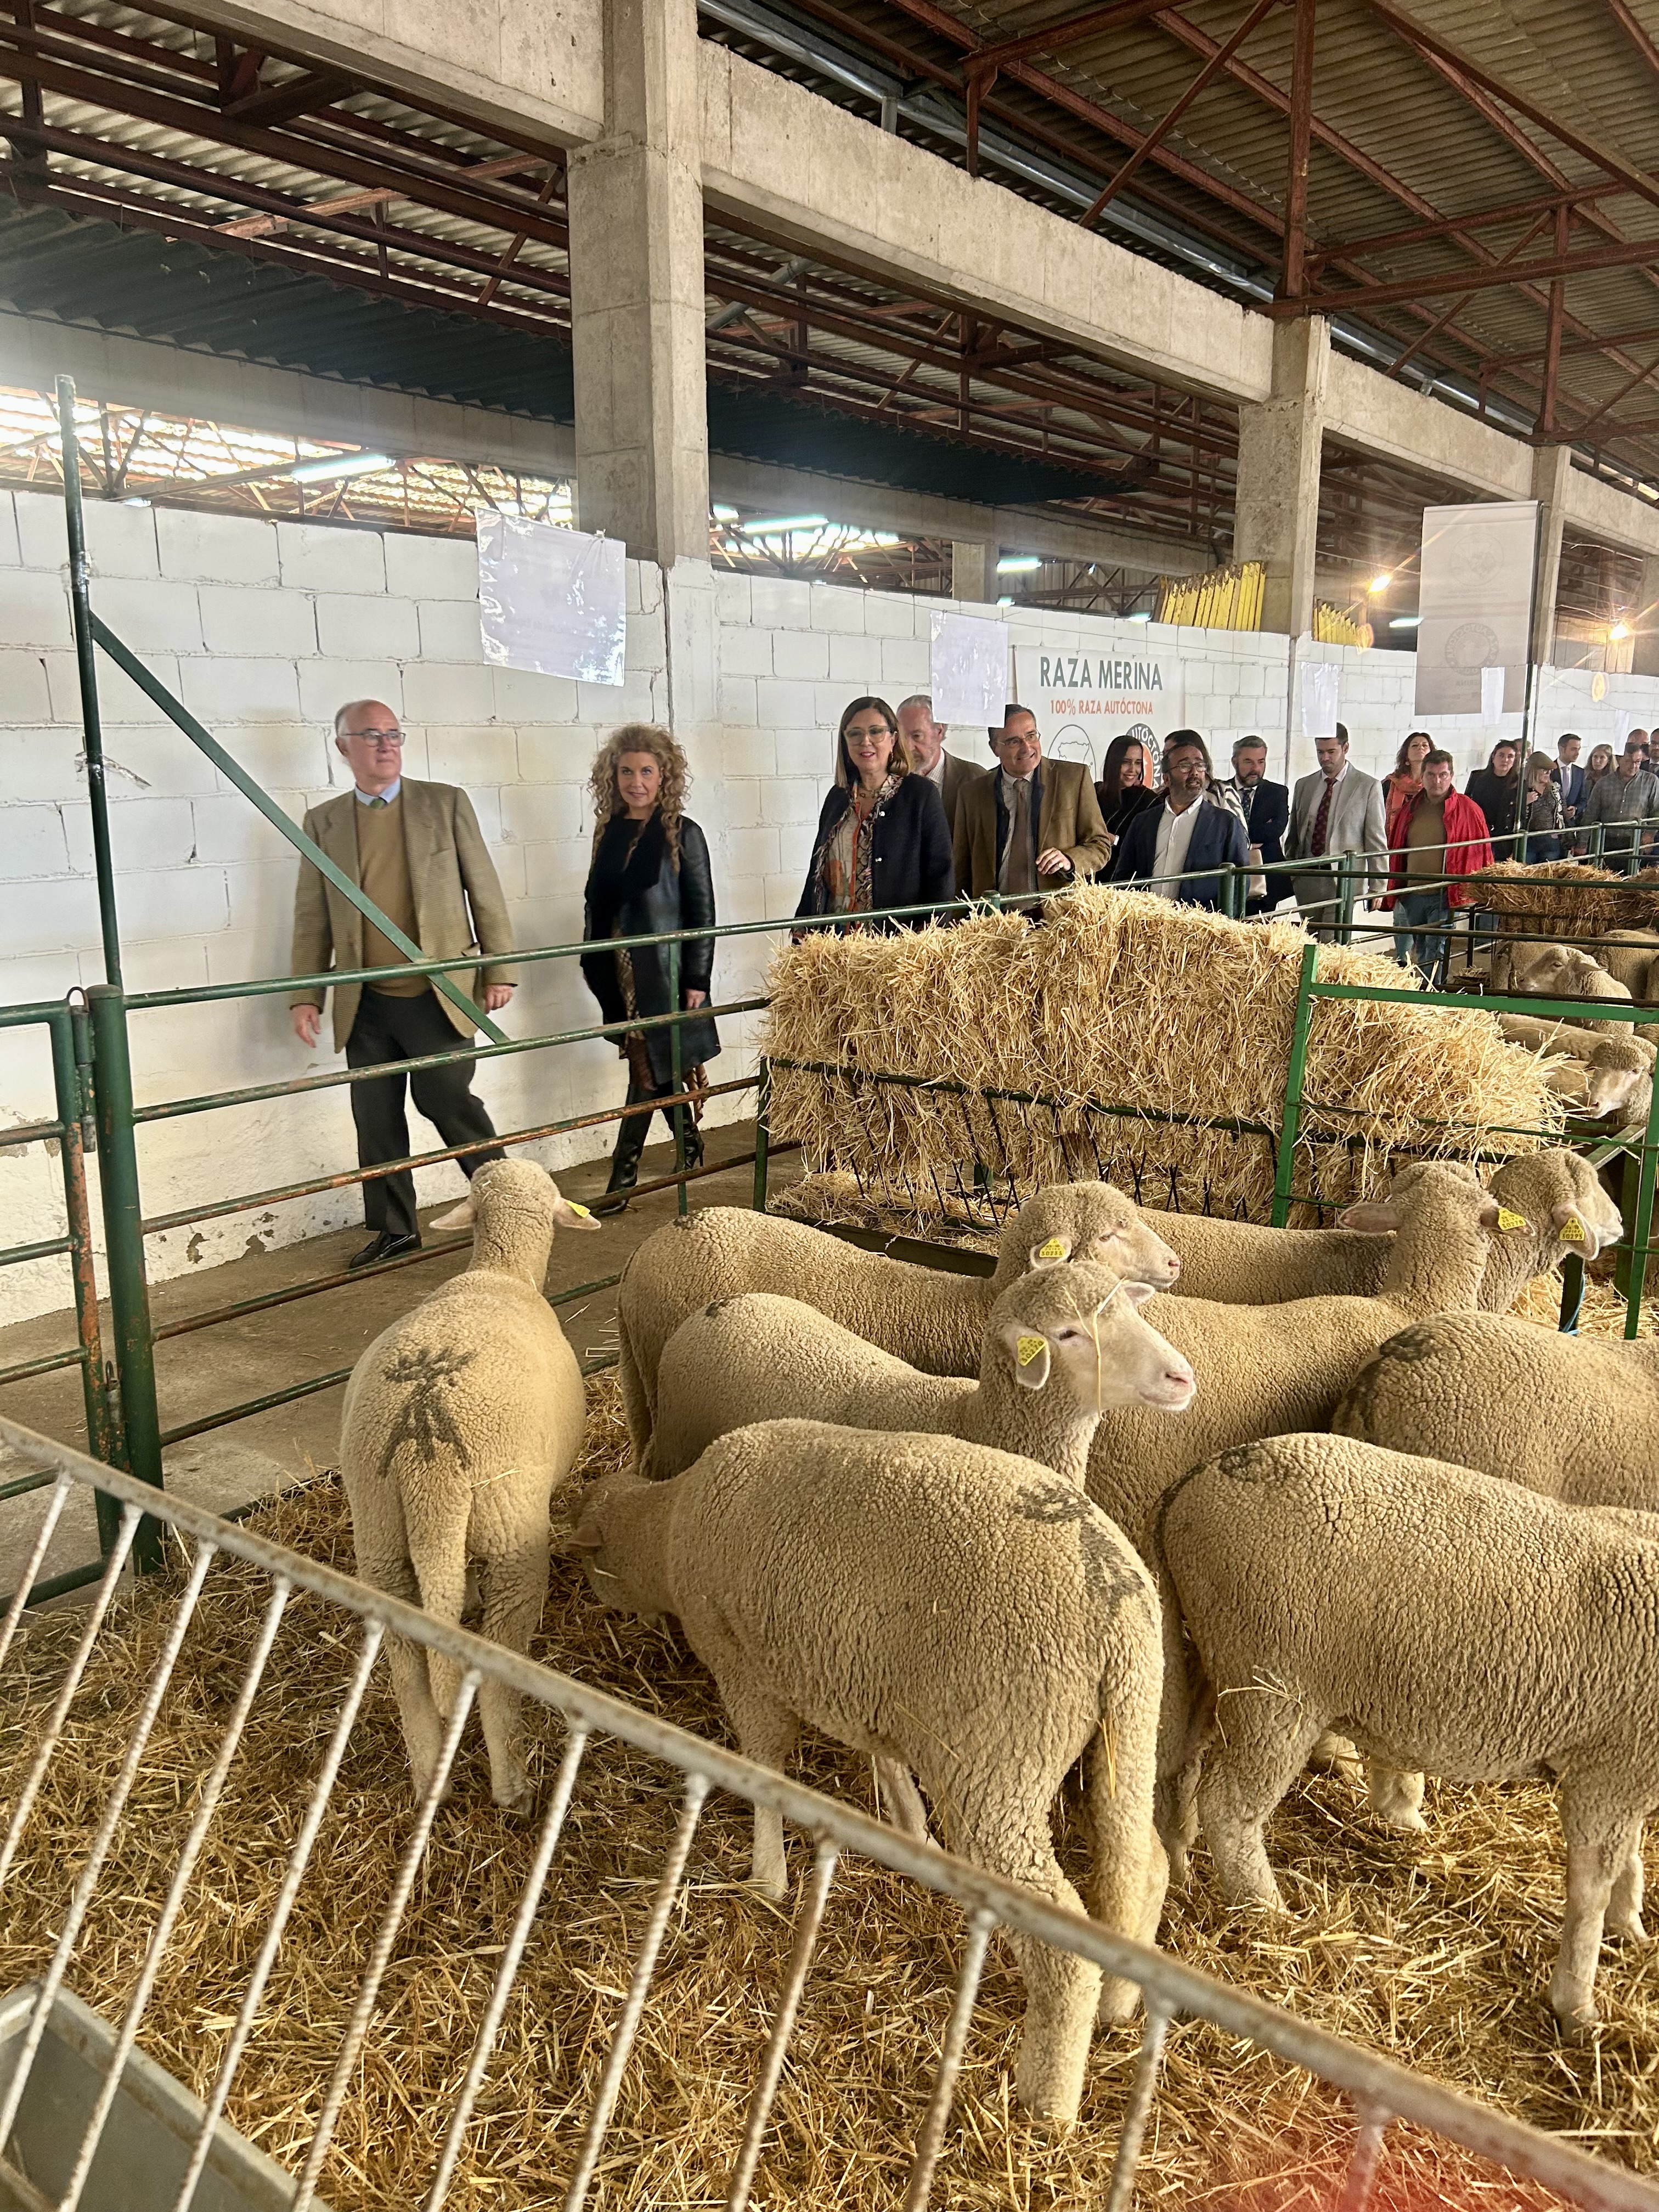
x=416 y=850
x=1032 y=824
x=924 y=740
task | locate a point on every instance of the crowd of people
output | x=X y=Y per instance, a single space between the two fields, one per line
x=907 y=825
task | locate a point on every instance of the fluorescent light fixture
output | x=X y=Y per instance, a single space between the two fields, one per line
x=1018 y=564
x=1004 y=601
x=1380 y=583
x=725 y=514
x=1404 y=622
x=1145 y=618
x=138 y=499
x=339 y=465
x=776 y=526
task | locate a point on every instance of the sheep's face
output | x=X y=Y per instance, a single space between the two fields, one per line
x=1621 y=1091
x=606 y=1562
x=1080 y=1329
x=1085 y=1221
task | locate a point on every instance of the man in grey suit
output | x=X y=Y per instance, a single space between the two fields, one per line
x=1337 y=809
x=924 y=740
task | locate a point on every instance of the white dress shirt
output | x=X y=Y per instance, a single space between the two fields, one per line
x=1175 y=835
x=936 y=774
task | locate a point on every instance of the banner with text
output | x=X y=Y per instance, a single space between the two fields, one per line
x=1084 y=700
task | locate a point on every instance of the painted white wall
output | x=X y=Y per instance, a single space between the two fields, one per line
x=264 y=628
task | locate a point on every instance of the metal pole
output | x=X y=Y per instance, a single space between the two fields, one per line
x=763 y=1134
x=101 y=1440
x=1642 y=1227
x=124 y=1242
x=87 y=670
x=1295 y=1077
x=1345 y=889
x=675 y=1054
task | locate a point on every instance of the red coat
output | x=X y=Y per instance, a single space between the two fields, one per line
x=1468 y=844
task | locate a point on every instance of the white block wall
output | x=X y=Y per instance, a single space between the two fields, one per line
x=264 y=628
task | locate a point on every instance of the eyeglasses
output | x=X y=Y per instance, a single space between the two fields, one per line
x=376 y=737
x=872 y=734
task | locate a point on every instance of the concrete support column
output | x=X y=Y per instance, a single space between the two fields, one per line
x=973 y=571
x=636 y=291
x=1645 y=645
x=1277 y=513
x=1551 y=466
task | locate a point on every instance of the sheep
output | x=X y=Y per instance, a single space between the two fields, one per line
x=1265 y=1371
x=948 y=1608
x=459 y=1421
x=1628 y=955
x=935 y=1320
x=1243 y=1263
x=1453 y=1388
x=1556 y=971
x=757 y=1357
x=1448 y=1621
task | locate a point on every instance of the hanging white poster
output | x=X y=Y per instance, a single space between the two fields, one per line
x=968 y=669
x=1475 y=604
x=553 y=601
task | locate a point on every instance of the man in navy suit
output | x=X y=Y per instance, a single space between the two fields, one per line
x=1571 y=777
x=1266 y=808
x=1168 y=848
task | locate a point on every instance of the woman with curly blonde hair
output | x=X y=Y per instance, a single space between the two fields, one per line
x=650 y=875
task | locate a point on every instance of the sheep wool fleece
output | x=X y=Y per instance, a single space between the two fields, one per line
x=459 y=1421
x=935 y=1321
x=1446 y=1621
x=1456 y=1387
x=951 y=1608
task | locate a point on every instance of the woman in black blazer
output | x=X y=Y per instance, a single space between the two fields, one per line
x=882 y=838
x=650 y=874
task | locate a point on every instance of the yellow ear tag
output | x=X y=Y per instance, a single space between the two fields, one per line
x=1506 y=1220
x=1055 y=1249
x=1573 y=1230
x=1029 y=1348
x=580 y=1210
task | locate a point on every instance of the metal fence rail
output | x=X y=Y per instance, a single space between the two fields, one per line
x=1380 y=2091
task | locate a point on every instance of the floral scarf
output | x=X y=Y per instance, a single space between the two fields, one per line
x=845 y=866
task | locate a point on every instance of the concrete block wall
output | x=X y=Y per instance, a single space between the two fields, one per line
x=264 y=628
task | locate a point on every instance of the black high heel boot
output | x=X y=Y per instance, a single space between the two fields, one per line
x=625 y=1160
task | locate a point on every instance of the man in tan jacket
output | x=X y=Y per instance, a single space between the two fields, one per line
x=1032 y=824
x=416 y=850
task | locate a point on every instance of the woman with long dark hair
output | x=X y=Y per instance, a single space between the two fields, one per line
x=883 y=839
x=1403 y=785
x=1125 y=788
x=650 y=874
x=1497 y=790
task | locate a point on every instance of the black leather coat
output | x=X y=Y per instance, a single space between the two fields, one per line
x=650 y=901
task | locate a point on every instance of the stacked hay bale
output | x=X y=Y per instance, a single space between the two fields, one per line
x=1566 y=899
x=1174 y=1019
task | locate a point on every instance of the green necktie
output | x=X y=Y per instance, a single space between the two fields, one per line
x=378 y=800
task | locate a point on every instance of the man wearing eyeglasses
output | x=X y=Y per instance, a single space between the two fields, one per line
x=416 y=850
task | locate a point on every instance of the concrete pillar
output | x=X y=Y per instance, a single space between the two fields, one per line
x=1551 y=466
x=1644 y=621
x=973 y=572
x=636 y=291
x=1276 y=517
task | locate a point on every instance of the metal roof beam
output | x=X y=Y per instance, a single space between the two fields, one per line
x=1055 y=37
x=1631 y=255
x=280 y=103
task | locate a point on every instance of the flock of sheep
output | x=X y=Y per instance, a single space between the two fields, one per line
x=1154 y=1498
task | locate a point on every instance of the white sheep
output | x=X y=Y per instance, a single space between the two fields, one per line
x=1557 y=971
x=1628 y=956
x=945 y=1608
x=1061 y=1344
x=1265 y=1371
x=459 y=1421
x=1243 y=1263
x=1448 y=1621
x=935 y=1320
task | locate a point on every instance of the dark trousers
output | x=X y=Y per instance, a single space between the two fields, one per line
x=388 y=1028
x=1415 y=914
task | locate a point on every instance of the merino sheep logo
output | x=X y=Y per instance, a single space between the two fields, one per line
x=426 y=1418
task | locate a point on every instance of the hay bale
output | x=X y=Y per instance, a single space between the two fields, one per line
x=1566 y=898
x=1121 y=1000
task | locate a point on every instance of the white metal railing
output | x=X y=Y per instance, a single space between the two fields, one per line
x=1379 y=2090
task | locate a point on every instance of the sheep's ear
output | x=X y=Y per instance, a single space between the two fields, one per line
x=1051 y=1252
x=567 y=1214
x=1031 y=1357
x=458 y=1216
x=1371 y=1217
x=1137 y=1293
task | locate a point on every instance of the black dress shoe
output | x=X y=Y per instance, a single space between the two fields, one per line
x=384 y=1246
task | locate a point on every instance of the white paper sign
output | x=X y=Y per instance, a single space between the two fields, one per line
x=1320 y=680
x=1475 y=599
x=550 y=600
x=1491 y=695
x=969 y=669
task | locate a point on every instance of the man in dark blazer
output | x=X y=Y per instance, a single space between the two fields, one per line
x=924 y=740
x=1569 y=776
x=1168 y=848
x=1266 y=808
x=417 y=849
x=1032 y=824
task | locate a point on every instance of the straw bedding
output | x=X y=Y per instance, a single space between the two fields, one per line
x=1567 y=899
x=1121 y=999
x=1433 y=1949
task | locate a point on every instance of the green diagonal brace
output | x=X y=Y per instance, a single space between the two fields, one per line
x=155 y=688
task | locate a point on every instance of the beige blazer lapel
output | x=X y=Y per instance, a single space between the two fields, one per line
x=337 y=833
x=425 y=833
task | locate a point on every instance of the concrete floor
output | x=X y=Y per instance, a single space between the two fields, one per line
x=232 y=1361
